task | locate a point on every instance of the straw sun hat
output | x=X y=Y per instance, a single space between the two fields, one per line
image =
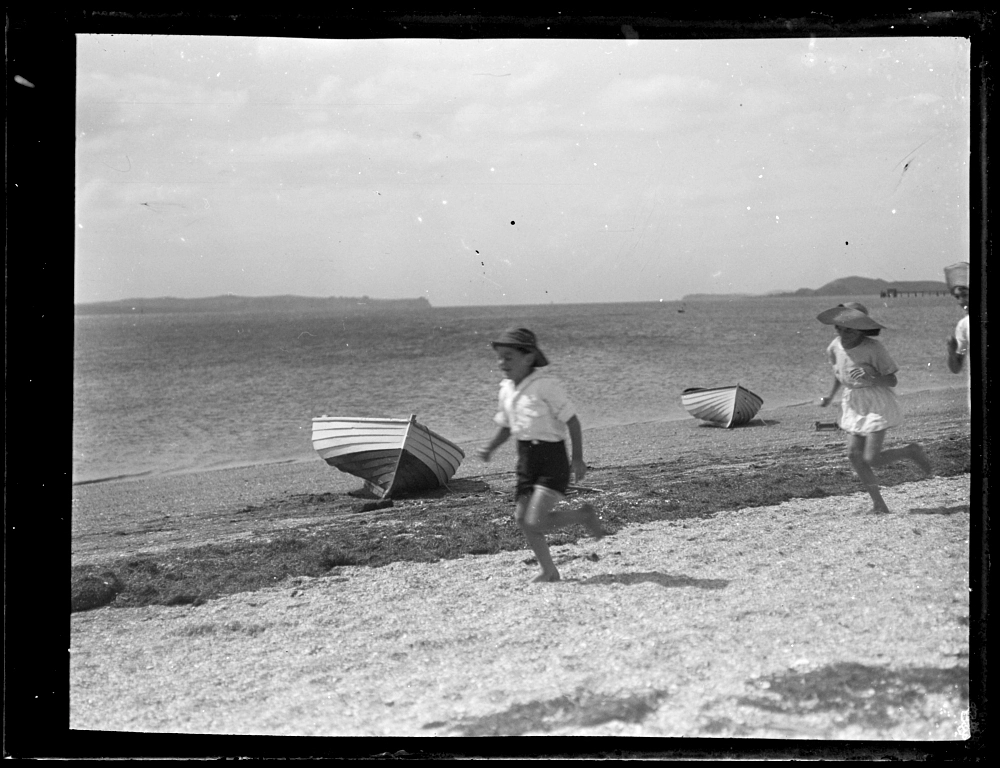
x=521 y=338
x=850 y=315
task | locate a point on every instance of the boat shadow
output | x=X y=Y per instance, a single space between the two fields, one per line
x=748 y=425
x=466 y=486
x=653 y=577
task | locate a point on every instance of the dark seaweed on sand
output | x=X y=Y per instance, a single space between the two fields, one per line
x=472 y=517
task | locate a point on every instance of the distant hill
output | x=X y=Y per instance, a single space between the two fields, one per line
x=844 y=286
x=231 y=303
x=866 y=286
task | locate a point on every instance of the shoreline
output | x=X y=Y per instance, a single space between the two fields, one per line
x=166 y=510
x=470 y=445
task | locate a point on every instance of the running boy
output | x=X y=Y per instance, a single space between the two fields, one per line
x=535 y=409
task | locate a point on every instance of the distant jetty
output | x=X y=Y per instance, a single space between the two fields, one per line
x=264 y=304
x=845 y=286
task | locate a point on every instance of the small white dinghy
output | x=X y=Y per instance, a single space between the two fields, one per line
x=390 y=455
x=725 y=406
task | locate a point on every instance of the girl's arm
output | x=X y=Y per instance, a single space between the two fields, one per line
x=825 y=401
x=882 y=362
x=886 y=380
x=576 y=435
x=498 y=439
x=873 y=377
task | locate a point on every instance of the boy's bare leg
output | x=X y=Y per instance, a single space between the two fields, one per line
x=584 y=515
x=591 y=520
x=562 y=516
x=531 y=514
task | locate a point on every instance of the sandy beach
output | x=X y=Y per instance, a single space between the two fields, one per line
x=810 y=619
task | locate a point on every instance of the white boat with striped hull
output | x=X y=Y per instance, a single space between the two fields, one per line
x=726 y=406
x=390 y=455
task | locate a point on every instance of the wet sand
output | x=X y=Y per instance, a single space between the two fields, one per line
x=178 y=506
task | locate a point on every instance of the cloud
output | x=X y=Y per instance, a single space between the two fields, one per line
x=312 y=144
x=617 y=163
x=659 y=88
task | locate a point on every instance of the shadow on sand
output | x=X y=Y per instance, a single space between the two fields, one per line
x=460 y=486
x=940 y=510
x=581 y=709
x=859 y=694
x=663 y=579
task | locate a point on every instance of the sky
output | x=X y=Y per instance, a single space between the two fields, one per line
x=515 y=171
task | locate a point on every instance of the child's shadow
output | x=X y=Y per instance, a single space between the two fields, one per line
x=940 y=510
x=663 y=579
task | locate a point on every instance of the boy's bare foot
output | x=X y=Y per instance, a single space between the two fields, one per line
x=920 y=458
x=592 y=521
x=545 y=577
x=874 y=510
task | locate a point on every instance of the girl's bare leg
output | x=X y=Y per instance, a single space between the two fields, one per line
x=914 y=452
x=858 y=449
x=919 y=457
x=874 y=456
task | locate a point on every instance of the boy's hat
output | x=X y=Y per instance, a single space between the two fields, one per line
x=521 y=338
x=957 y=275
x=850 y=315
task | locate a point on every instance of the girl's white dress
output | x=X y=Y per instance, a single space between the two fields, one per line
x=865 y=408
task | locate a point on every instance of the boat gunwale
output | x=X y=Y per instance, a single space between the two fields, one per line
x=393 y=421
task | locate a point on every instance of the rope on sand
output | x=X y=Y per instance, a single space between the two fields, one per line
x=583 y=488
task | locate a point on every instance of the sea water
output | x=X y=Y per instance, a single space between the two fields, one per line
x=163 y=393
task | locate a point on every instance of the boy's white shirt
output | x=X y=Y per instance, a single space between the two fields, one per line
x=536 y=409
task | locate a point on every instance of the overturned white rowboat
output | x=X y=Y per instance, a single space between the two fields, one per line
x=726 y=406
x=390 y=455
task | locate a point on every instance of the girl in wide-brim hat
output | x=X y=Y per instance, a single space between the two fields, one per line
x=866 y=371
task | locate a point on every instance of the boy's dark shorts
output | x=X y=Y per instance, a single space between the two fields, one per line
x=541 y=463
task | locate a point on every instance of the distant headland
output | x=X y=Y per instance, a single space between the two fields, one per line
x=845 y=286
x=231 y=303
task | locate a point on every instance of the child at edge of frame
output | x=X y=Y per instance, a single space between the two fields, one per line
x=535 y=410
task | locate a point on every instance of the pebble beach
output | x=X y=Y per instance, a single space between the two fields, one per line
x=807 y=620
